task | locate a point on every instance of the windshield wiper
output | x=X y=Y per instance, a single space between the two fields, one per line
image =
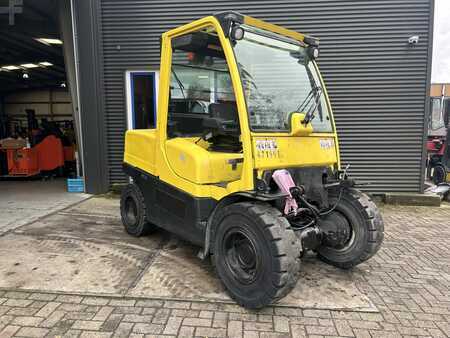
x=312 y=100
x=179 y=83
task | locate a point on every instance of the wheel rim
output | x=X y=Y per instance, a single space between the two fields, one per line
x=342 y=235
x=130 y=211
x=351 y=237
x=241 y=256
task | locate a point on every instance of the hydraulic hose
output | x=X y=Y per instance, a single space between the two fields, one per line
x=329 y=211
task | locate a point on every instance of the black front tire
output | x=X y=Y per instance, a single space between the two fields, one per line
x=367 y=230
x=256 y=253
x=134 y=212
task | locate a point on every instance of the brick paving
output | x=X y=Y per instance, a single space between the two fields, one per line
x=408 y=281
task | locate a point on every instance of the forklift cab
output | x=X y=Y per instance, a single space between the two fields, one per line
x=250 y=80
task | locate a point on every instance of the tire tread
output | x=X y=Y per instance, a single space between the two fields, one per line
x=144 y=227
x=285 y=249
x=374 y=223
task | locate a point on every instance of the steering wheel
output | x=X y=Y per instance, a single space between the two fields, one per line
x=199 y=107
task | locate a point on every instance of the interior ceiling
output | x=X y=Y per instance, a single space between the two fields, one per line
x=39 y=19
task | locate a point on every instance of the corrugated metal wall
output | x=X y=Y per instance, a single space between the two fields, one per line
x=376 y=81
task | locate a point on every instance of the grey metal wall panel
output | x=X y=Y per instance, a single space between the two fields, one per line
x=376 y=81
x=92 y=112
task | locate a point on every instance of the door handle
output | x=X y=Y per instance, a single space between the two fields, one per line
x=234 y=162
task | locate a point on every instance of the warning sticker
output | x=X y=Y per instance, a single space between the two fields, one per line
x=269 y=144
x=267 y=148
x=326 y=143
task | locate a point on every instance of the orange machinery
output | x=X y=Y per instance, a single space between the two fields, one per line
x=47 y=155
x=22 y=162
x=69 y=153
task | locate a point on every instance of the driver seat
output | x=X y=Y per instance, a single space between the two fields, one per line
x=224 y=124
x=224 y=111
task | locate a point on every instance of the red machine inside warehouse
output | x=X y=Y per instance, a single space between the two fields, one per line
x=46 y=150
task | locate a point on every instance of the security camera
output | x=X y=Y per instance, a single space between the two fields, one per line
x=413 y=40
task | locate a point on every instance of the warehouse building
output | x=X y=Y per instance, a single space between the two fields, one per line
x=375 y=59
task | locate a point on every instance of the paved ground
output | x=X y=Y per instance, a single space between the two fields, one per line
x=408 y=282
x=59 y=253
x=22 y=202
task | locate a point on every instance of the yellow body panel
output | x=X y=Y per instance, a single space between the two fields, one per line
x=200 y=166
x=151 y=151
x=287 y=152
x=448 y=177
x=140 y=146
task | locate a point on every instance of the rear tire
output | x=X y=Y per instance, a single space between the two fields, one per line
x=133 y=211
x=367 y=230
x=256 y=253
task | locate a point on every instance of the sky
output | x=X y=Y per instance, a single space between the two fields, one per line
x=440 y=70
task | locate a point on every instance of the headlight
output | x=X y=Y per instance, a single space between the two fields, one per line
x=313 y=52
x=237 y=33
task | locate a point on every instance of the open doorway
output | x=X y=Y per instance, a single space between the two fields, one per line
x=39 y=126
x=141 y=94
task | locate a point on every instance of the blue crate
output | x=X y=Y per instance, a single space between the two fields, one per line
x=75 y=184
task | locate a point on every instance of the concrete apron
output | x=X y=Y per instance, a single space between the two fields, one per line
x=23 y=202
x=84 y=250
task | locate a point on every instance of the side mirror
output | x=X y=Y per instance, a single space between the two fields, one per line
x=298 y=127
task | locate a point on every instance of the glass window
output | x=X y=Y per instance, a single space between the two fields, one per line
x=200 y=86
x=437 y=118
x=195 y=83
x=276 y=82
x=142 y=97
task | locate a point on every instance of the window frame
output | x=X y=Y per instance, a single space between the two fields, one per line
x=129 y=87
x=175 y=62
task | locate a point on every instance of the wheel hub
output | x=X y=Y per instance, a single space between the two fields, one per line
x=246 y=255
x=241 y=256
x=130 y=210
x=336 y=230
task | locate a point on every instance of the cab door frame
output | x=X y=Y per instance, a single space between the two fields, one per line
x=165 y=172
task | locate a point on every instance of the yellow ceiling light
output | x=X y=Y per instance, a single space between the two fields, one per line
x=45 y=64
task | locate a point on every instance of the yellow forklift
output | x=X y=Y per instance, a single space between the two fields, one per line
x=244 y=161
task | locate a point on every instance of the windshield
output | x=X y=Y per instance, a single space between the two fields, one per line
x=276 y=82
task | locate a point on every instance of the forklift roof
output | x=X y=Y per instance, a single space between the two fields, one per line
x=227 y=18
